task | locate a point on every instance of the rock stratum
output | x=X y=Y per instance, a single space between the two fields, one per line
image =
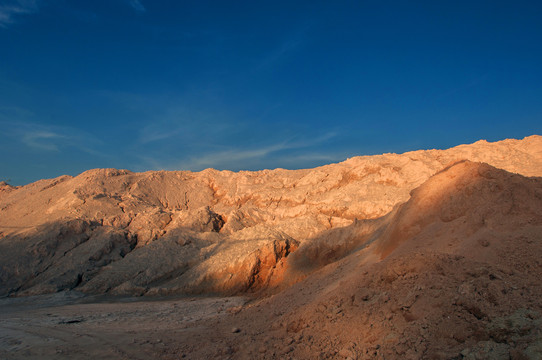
x=429 y=254
x=179 y=232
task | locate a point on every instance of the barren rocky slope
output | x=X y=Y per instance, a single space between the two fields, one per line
x=442 y=262
x=454 y=273
x=119 y=232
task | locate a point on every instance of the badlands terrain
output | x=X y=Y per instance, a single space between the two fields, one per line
x=432 y=254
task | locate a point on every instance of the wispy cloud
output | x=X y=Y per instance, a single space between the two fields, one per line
x=49 y=138
x=237 y=158
x=156 y=132
x=178 y=123
x=42 y=139
x=137 y=5
x=11 y=9
x=284 y=49
x=230 y=156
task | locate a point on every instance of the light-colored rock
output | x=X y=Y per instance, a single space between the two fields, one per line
x=453 y=272
x=165 y=232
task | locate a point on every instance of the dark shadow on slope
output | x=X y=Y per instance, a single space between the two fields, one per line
x=472 y=195
x=58 y=256
x=332 y=245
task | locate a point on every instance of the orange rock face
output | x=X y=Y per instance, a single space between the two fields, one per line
x=116 y=231
x=428 y=254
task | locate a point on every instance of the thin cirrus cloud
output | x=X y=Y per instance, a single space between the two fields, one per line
x=238 y=158
x=177 y=123
x=234 y=156
x=171 y=131
x=42 y=140
x=48 y=138
x=137 y=5
x=154 y=132
x=11 y=9
x=286 y=48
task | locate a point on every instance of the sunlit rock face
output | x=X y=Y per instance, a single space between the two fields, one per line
x=120 y=232
x=453 y=273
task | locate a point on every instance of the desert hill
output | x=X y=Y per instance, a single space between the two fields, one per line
x=453 y=273
x=115 y=231
x=429 y=254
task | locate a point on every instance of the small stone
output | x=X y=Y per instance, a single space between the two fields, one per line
x=287 y=349
x=235 y=330
x=483 y=242
x=346 y=353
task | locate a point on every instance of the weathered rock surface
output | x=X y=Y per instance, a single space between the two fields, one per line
x=453 y=273
x=158 y=232
x=450 y=271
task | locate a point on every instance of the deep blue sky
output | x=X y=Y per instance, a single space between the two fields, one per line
x=148 y=85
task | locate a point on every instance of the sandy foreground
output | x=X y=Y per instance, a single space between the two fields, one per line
x=69 y=326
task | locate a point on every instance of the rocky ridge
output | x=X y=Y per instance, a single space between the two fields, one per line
x=115 y=231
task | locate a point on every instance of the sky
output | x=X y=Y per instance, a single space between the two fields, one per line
x=248 y=85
